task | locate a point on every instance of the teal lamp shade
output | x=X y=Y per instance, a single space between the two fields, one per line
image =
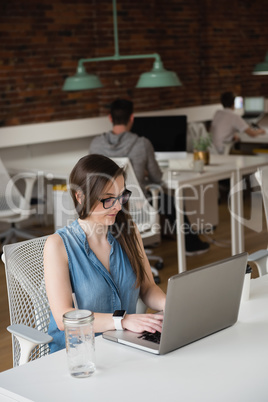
x=158 y=77
x=81 y=81
x=262 y=68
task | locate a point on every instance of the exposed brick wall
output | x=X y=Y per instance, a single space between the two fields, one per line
x=212 y=45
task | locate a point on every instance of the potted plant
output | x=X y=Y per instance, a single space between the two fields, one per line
x=201 y=148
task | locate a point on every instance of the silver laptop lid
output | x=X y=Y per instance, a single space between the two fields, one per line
x=202 y=301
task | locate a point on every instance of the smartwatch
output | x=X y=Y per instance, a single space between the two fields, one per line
x=118 y=316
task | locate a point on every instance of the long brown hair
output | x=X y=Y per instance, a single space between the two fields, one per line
x=88 y=178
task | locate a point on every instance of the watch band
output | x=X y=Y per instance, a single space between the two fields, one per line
x=118 y=317
x=117 y=323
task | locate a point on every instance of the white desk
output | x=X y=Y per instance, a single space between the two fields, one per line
x=180 y=179
x=230 y=365
x=231 y=167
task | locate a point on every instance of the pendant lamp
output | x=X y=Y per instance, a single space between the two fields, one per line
x=261 y=68
x=81 y=80
x=156 y=78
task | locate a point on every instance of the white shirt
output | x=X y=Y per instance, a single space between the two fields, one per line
x=224 y=126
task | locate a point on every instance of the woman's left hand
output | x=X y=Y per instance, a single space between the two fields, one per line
x=143 y=322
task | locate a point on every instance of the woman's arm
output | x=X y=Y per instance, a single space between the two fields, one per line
x=132 y=322
x=57 y=279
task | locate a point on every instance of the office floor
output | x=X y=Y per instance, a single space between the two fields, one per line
x=168 y=251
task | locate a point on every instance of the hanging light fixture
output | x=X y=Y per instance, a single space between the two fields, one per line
x=157 y=77
x=261 y=68
x=81 y=80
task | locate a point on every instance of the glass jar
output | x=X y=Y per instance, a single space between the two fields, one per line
x=80 y=342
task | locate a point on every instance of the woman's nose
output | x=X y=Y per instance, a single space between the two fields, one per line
x=117 y=205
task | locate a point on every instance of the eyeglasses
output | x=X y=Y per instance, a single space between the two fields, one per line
x=123 y=199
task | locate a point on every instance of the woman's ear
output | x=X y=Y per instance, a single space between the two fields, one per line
x=79 y=197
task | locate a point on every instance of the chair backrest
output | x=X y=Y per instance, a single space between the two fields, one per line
x=196 y=130
x=28 y=303
x=144 y=215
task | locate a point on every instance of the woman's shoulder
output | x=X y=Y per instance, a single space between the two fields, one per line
x=54 y=248
x=54 y=251
x=54 y=240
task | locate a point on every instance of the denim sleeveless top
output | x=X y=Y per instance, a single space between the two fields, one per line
x=95 y=288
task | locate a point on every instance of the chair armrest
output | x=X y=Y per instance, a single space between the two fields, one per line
x=30 y=334
x=28 y=339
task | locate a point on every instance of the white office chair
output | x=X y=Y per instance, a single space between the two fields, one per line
x=195 y=130
x=15 y=207
x=144 y=214
x=260 y=257
x=28 y=304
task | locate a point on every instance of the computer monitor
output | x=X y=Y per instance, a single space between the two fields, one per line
x=254 y=105
x=166 y=133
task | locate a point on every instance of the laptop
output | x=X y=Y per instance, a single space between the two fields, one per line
x=199 y=303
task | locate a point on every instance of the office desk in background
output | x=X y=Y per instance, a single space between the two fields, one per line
x=221 y=167
x=184 y=178
x=230 y=365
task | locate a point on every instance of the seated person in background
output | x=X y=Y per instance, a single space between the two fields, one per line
x=226 y=124
x=120 y=142
x=100 y=256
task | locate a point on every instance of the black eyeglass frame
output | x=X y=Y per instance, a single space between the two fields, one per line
x=119 y=198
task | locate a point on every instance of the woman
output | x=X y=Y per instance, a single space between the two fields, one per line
x=100 y=256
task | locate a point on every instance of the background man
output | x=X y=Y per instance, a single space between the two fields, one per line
x=226 y=124
x=121 y=142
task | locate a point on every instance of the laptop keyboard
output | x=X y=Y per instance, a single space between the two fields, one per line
x=149 y=336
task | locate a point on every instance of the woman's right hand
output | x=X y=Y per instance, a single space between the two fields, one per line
x=143 y=322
